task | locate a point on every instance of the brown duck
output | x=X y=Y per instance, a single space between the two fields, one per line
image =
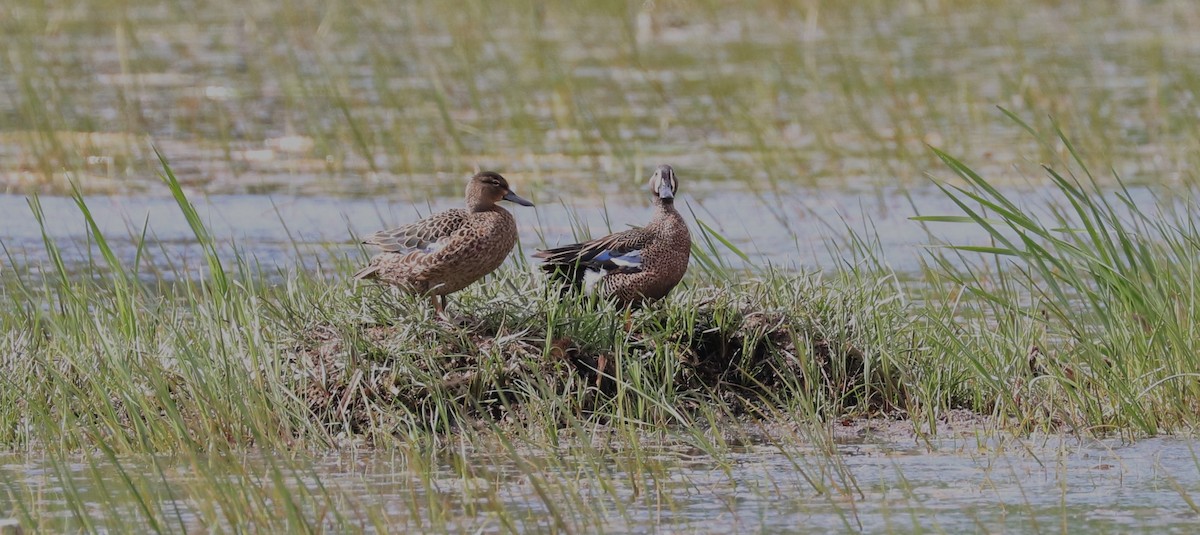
x=447 y=251
x=634 y=266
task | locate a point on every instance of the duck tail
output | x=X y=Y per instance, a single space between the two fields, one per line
x=564 y=265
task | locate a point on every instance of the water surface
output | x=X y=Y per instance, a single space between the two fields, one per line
x=296 y=126
x=960 y=485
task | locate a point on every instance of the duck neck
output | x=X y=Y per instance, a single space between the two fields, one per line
x=477 y=203
x=664 y=205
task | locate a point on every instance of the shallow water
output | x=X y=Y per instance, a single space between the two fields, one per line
x=789 y=125
x=807 y=228
x=366 y=99
x=988 y=485
x=303 y=231
x=299 y=125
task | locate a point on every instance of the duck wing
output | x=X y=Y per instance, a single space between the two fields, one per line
x=620 y=252
x=423 y=236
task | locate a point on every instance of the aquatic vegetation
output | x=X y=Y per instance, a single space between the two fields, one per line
x=117 y=368
x=368 y=98
x=217 y=370
x=1094 y=297
x=229 y=361
x=142 y=390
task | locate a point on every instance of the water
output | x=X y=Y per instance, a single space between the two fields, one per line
x=303 y=231
x=296 y=126
x=802 y=229
x=951 y=485
x=790 y=126
x=362 y=100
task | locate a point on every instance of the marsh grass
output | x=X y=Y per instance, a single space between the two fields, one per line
x=1092 y=302
x=387 y=96
x=208 y=368
x=109 y=365
x=163 y=400
x=114 y=368
x=106 y=363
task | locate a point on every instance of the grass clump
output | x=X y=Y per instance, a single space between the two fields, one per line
x=376 y=363
x=1078 y=318
x=225 y=361
x=1091 y=302
x=1085 y=324
x=109 y=370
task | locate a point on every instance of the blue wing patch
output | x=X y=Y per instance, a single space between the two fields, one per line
x=628 y=259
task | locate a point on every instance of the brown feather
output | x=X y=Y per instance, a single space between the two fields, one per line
x=419 y=234
x=447 y=251
x=665 y=245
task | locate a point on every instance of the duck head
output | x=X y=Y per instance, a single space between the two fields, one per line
x=488 y=188
x=663 y=184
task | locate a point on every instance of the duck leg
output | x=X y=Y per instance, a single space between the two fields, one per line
x=439 y=307
x=601 y=369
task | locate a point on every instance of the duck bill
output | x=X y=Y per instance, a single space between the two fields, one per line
x=513 y=197
x=664 y=192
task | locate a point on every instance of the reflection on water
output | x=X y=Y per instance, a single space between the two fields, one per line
x=950 y=485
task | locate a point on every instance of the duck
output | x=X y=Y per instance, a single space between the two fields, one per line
x=449 y=250
x=632 y=267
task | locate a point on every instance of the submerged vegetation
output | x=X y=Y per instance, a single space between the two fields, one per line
x=377 y=98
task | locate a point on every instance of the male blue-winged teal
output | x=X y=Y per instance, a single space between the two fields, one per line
x=634 y=266
x=445 y=252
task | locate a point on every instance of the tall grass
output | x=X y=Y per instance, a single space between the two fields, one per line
x=1082 y=324
x=157 y=400
x=1092 y=303
x=116 y=369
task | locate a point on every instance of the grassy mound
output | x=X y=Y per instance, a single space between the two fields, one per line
x=376 y=362
x=1079 y=320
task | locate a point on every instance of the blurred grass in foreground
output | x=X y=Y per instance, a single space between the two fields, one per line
x=365 y=98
